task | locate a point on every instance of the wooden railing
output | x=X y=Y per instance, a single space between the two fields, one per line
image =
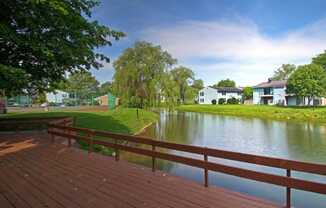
x=28 y=123
x=87 y=135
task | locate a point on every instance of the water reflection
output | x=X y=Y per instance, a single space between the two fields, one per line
x=297 y=141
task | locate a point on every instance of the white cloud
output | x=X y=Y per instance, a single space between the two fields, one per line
x=237 y=49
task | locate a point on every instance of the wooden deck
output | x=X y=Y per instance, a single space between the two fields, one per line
x=36 y=173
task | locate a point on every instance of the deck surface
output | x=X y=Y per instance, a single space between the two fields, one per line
x=35 y=173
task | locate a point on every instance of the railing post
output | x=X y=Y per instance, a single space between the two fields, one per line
x=90 y=144
x=116 y=150
x=153 y=159
x=52 y=138
x=67 y=131
x=74 y=121
x=69 y=139
x=206 y=171
x=288 y=191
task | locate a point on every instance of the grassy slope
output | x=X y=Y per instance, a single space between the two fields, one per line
x=121 y=120
x=270 y=112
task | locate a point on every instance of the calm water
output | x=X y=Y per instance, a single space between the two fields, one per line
x=297 y=141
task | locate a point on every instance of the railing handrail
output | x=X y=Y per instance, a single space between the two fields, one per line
x=16 y=123
x=286 y=181
x=224 y=154
x=24 y=119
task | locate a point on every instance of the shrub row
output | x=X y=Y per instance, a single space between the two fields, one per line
x=222 y=101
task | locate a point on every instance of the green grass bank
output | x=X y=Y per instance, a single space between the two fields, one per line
x=120 y=120
x=311 y=114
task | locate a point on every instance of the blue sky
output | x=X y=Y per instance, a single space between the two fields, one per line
x=245 y=40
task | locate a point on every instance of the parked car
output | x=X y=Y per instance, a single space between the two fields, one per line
x=43 y=105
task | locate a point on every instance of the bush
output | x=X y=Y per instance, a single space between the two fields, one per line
x=221 y=101
x=233 y=101
x=214 y=102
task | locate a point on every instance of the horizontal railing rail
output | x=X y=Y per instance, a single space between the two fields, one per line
x=16 y=123
x=87 y=135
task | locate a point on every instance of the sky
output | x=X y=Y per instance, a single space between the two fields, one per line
x=244 y=40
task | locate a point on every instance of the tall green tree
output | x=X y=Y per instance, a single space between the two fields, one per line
x=182 y=77
x=139 y=74
x=198 y=84
x=42 y=40
x=284 y=72
x=320 y=59
x=225 y=83
x=247 y=93
x=308 y=81
x=169 y=91
x=193 y=89
x=83 y=85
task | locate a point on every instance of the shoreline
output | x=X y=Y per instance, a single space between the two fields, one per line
x=144 y=128
x=309 y=115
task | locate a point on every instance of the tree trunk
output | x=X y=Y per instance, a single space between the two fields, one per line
x=309 y=100
x=182 y=95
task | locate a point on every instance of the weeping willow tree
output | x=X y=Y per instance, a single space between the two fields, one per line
x=142 y=76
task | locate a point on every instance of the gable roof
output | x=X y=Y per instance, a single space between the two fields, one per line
x=227 y=89
x=272 y=83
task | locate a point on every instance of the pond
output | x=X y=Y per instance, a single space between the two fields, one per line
x=288 y=140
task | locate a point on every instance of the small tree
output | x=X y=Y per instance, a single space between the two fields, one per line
x=105 y=88
x=214 y=102
x=247 y=93
x=221 y=101
x=83 y=85
x=40 y=98
x=308 y=81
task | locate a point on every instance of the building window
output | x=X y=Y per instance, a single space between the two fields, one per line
x=268 y=91
x=201 y=100
x=223 y=93
x=201 y=93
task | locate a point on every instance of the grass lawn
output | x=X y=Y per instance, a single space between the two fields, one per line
x=314 y=114
x=120 y=120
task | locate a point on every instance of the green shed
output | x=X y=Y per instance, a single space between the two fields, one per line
x=111 y=101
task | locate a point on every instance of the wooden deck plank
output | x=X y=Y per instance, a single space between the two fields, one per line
x=11 y=196
x=68 y=177
x=175 y=191
x=72 y=192
x=133 y=177
x=89 y=177
x=145 y=171
x=4 y=202
x=34 y=198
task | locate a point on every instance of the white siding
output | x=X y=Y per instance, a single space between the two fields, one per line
x=279 y=96
x=56 y=97
x=257 y=92
x=207 y=94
